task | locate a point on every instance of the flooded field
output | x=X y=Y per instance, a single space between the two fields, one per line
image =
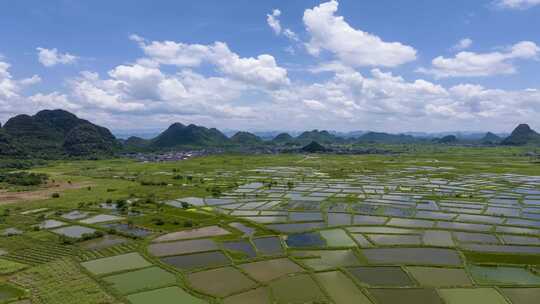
x=405 y=231
x=280 y=235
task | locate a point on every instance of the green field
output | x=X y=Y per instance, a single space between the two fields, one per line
x=8 y=267
x=117 y=263
x=148 y=278
x=170 y=295
x=431 y=224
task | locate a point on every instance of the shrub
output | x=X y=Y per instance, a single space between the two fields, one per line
x=24 y=178
x=159 y=221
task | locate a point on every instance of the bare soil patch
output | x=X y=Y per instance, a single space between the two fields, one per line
x=7 y=197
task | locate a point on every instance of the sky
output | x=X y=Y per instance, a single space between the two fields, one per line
x=380 y=65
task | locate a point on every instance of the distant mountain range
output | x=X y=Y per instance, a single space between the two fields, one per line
x=269 y=135
x=58 y=133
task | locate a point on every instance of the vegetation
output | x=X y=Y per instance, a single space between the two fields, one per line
x=283 y=138
x=62 y=282
x=314 y=147
x=323 y=137
x=54 y=134
x=191 y=136
x=246 y=138
x=521 y=136
x=23 y=178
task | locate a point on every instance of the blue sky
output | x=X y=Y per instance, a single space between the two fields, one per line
x=275 y=65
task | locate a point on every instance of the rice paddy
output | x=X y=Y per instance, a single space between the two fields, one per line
x=407 y=231
x=115 y=264
x=148 y=278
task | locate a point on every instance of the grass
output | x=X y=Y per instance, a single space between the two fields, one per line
x=10 y=293
x=62 y=282
x=8 y=267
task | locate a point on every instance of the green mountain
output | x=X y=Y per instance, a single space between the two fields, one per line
x=88 y=138
x=6 y=146
x=314 y=147
x=318 y=136
x=135 y=141
x=135 y=144
x=246 y=138
x=283 y=138
x=448 y=139
x=178 y=135
x=522 y=135
x=54 y=133
x=490 y=139
x=377 y=137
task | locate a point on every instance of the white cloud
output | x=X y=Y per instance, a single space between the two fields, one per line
x=12 y=99
x=135 y=95
x=262 y=70
x=379 y=100
x=51 y=57
x=516 y=4
x=140 y=90
x=470 y=64
x=109 y=95
x=53 y=100
x=273 y=21
x=291 y=35
x=332 y=66
x=463 y=44
x=314 y=104
x=275 y=24
x=352 y=46
x=391 y=103
x=138 y=81
x=10 y=88
x=30 y=81
x=350 y=98
x=173 y=53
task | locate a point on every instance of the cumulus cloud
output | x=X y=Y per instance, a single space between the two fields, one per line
x=140 y=90
x=131 y=93
x=273 y=21
x=275 y=24
x=261 y=70
x=12 y=98
x=51 y=57
x=384 y=100
x=379 y=99
x=470 y=64
x=54 y=100
x=516 y=4
x=463 y=44
x=352 y=46
x=10 y=88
